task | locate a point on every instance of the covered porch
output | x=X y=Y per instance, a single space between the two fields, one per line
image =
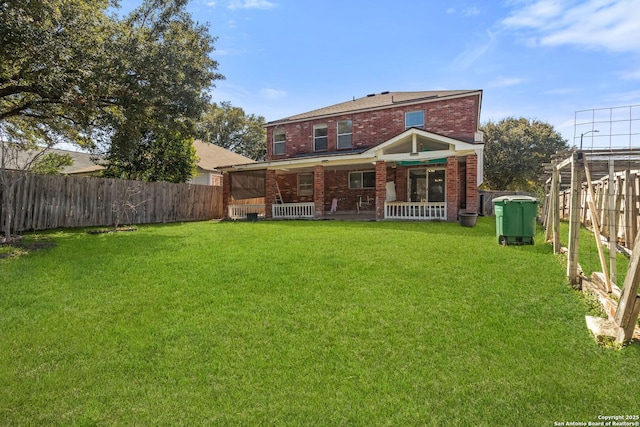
x=415 y=176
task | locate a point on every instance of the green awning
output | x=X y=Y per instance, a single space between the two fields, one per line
x=421 y=162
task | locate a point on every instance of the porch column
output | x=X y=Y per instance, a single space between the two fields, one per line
x=452 y=193
x=381 y=188
x=472 y=183
x=226 y=193
x=269 y=192
x=318 y=190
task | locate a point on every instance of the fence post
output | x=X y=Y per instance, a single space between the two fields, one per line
x=574 y=224
x=627 y=312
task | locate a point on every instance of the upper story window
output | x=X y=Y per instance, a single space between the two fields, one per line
x=414 y=119
x=320 y=138
x=279 y=138
x=345 y=134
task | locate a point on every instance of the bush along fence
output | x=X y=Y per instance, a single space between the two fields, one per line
x=43 y=202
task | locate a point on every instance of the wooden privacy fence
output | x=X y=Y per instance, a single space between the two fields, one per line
x=612 y=192
x=485 y=205
x=50 y=201
x=617 y=206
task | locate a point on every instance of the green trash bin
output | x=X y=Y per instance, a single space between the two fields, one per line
x=515 y=219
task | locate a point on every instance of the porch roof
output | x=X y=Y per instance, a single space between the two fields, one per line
x=413 y=145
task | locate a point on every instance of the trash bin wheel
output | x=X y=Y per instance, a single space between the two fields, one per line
x=504 y=241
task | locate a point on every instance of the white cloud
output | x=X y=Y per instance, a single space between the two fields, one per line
x=471 y=11
x=562 y=91
x=251 y=4
x=631 y=74
x=466 y=12
x=535 y=15
x=272 y=94
x=474 y=52
x=506 y=82
x=594 y=24
x=624 y=98
x=230 y=52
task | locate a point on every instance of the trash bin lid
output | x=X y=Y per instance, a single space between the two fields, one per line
x=512 y=199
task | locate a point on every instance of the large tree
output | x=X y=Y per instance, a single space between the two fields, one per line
x=76 y=70
x=162 y=153
x=515 y=149
x=127 y=87
x=168 y=67
x=231 y=128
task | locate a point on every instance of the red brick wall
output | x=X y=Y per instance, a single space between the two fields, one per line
x=336 y=185
x=318 y=189
x=270 y=192
x=452 y=177
x=381 y=182
x=289 y=189
x=472 y=183
x=456 y=118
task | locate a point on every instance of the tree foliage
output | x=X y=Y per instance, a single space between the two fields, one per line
x=515 y=149
x=231 y=128
x=161 y=154
x=51 y=163
x=75 y=70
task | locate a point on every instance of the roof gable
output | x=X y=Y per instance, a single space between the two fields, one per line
x=424 y=141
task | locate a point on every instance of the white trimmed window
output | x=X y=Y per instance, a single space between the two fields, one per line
x=362 y=180
x=305 y=184
x=345 y=134
x=279 y=139
x=414 y=119
x=320 y=135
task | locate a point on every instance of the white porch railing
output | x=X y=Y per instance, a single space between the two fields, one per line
x=415 y=210
x=293 y=210
x=241 y=211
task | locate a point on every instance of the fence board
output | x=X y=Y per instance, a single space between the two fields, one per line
x=44 y=202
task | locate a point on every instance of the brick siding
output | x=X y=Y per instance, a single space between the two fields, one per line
x=381 y=188
x=455 y=118
x=452 y=193
x=269 y=192
x=472 y=183
x=318 y=190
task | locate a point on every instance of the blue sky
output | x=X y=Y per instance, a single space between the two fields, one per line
x=540 y=59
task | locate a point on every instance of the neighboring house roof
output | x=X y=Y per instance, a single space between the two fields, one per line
x=83 y=163
x=377 y=101
x=213 y=156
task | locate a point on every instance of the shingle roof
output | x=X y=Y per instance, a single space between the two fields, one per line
x=375 y=101
x=213 y=156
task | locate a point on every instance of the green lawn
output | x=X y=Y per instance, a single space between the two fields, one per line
x=301 y=323
x=588 y=253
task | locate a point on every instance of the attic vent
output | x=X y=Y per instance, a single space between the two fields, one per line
x=384 y=93
x=370 y=95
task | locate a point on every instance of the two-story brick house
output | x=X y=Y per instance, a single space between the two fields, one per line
x=408 y=155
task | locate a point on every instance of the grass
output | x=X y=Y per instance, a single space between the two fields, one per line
x=588 y=253
x=300 y=323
